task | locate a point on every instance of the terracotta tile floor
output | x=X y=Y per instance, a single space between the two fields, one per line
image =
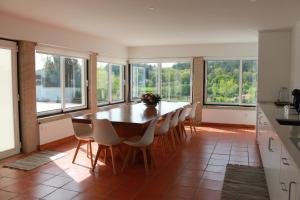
x=194 y=171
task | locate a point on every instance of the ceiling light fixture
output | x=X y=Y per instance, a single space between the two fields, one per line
x=252 y=1
x=151 y=8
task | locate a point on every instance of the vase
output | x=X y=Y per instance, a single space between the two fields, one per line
x=151 y=105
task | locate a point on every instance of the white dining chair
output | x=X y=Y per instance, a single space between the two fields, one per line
x=84 y=134
x=106 y=137
x=181 y=120
x=191 y=117
x=162 y=132
x=173 y=131
x=143 y=143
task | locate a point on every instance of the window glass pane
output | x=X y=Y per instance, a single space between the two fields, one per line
x=222 y=81
x=175 y=81
x=116 y=82
x=74 y=82
x=144 y=79
x=48 y=90
x=249 y=81
x=102 y=82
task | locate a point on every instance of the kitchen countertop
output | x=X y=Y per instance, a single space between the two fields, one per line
x=285 y=132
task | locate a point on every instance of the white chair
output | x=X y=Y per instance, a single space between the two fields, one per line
x=162 y=132
x=191 y=117
x=181 y=120
x=142 y=143
x=106 y=137
x=173 y=131
x=84 y=134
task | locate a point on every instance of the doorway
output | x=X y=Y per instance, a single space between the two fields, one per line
x=9 y=118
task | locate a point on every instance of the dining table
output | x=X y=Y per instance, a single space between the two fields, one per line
x=131 y=119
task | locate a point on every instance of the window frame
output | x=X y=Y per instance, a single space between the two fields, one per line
x=159 y=74
x=110 y=101
x=240 y=104
x=84 y=86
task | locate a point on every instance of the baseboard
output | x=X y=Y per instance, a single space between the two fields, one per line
x=228 y=125
x=57 y=143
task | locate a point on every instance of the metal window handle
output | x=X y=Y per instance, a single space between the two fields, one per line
x=285 y=161
x=290 y=188
x=270 y=144
x=283 y=187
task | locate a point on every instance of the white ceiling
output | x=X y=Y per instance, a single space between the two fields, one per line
x=161 y=22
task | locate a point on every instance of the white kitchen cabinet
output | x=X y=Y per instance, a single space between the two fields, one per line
x=289 y=177
x=282 y=174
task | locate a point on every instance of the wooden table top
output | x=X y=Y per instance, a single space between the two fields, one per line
x=134 y=114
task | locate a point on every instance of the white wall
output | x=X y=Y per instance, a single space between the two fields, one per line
x=295 y=57
x=227 y=116
x=226 y=50
x=55 y=130
x=274 y=63
x=17 y=28
x=206 y=50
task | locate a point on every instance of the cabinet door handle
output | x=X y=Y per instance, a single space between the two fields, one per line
x=283 y=187
x=290 y=188
x=285 y=161
x=270 y=144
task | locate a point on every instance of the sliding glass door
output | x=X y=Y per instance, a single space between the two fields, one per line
x=9 y=135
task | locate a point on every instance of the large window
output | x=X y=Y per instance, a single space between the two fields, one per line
x=144 y=78
x=60 y=83
x=110 y=83
x=171 y=80
x=231 y=82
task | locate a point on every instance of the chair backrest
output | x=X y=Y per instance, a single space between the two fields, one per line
x=104 y=133
x=182 y=115
x=165 y=126
x=174 y=120
x=148 y=136
x=81 y=129
x=193 y=111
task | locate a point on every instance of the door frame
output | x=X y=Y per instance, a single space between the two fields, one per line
x=4 y=44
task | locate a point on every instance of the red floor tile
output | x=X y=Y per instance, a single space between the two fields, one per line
x=7 y=195
x=194 y=171
x=61 y=194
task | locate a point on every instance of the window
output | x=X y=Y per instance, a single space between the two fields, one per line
x=231 y=82
x=176 y=81
x=60 y=83
x=144 y=78
x=110 y=83
x=172 y=80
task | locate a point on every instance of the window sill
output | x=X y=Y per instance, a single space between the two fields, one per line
x=58 y=116
x=224 y=107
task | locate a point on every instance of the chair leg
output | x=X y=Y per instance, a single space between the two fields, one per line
x=77 y=149
x=184 y=131
x=191 y=128
x=126 y=158
x=176 y=135
x=153 y=164
x=163 y=144
x=113 y=160
x=105 y=155
x=87 y=149
x=133 y=156
x=97 y=157
x=194 y=126
x=91 y=153
x=145 y=160
x=173 y=139
x=121 y=153
x=167 y=142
